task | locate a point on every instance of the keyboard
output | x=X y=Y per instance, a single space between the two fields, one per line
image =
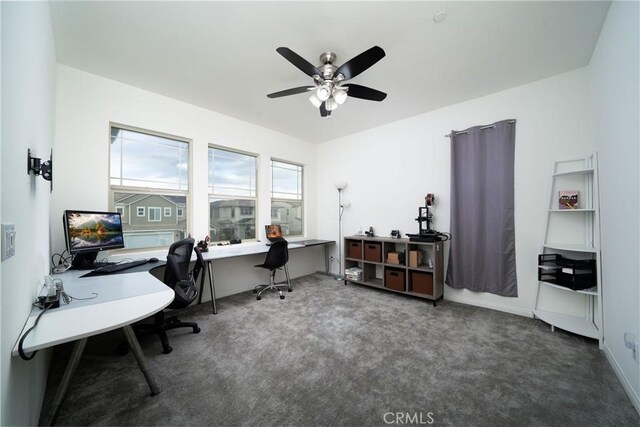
x=119 y=266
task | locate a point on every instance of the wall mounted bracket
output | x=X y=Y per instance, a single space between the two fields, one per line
x=45 y=169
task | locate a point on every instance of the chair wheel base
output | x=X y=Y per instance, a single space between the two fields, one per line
x=196 y=330
x=166 y=350
x=289 y=290
x=123 y=349
x=281 y=296
x=258 y=298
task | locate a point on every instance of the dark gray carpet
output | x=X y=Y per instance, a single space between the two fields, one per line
x=331 y=354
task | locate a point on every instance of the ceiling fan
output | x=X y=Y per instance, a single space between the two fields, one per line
x=331 y=89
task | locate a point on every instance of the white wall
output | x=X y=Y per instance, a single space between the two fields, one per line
x=88 y=103
x=1 y=365
x=28 y=91
x=391 y=168
x=613 y=79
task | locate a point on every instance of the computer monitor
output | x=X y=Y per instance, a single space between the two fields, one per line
x=274 y=232
x=87 y=233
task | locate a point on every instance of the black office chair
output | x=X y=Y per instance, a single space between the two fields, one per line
x=183 y=282
x=277 y=258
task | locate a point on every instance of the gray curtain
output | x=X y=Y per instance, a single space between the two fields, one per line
x=483 y=251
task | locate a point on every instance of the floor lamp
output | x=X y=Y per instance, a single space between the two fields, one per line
x=341 y=185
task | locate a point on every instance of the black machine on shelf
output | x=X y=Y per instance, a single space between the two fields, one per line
x=425 y=220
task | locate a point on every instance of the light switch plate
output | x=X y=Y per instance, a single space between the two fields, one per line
x=8 y=241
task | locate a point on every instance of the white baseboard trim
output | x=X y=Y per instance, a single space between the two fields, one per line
x=493 y=306
x=623 y=379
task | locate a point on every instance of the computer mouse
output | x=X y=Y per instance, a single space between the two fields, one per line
x=154 y=259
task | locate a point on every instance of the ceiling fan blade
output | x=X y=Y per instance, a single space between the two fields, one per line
x=363 y=92
x=360 y=63
x=323 y=110
x=297 y=60
x=292 y=91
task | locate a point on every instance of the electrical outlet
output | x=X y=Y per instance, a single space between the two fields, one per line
x=631 y=342
x=8 y=241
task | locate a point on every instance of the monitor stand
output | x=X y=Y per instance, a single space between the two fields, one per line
x=84 y=261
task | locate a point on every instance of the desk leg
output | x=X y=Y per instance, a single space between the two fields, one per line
x=137 y=352
x=78 y=349
x=327 y=266
x=212 y=287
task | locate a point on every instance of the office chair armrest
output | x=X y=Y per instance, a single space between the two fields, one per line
x=186 y=291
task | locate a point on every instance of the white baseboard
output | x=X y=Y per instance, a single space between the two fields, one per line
x=493 y=306
x=623 y=379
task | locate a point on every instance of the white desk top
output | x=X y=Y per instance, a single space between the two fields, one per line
x=122 y=299
x=228 y=251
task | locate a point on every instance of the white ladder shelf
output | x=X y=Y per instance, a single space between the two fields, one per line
x=574 y=234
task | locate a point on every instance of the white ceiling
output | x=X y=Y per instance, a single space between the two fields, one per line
x=222 y=55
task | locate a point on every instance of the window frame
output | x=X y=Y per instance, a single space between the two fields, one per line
x=154 y=209
x=212 y=195
x=285 y=200
x=141 y=211
x=187 y=194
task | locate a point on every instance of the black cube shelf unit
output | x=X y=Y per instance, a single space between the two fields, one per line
x=396 y=265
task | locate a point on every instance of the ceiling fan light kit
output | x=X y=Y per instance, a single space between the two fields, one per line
x=330 y=89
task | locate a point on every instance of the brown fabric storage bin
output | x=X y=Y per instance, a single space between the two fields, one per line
x=373 y=251
x=421 y=283
x=394 y=279
x=354 y=249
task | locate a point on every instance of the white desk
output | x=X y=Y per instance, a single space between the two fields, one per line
x=229 y=251
x=122 y=300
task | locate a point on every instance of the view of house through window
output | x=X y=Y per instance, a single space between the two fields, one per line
x=232 y=195
x=149 y=187
x=286 y=197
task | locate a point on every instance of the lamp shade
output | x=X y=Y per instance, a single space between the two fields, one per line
x=331 y=104
x=315 y=101
x=324 y=92
x=341 y=185
x=340 y=95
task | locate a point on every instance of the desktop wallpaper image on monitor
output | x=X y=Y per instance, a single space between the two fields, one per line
x=94 y=230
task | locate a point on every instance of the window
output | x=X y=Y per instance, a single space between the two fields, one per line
x=286 y=197
x=232 y=194
x=154 y=215
x=149 y=175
